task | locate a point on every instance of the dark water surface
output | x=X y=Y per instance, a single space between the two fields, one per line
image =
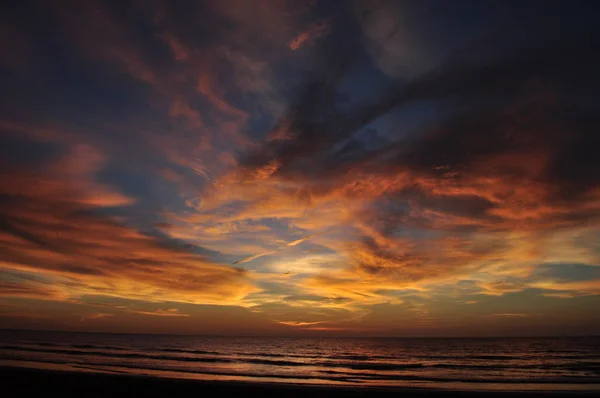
x=494 y=363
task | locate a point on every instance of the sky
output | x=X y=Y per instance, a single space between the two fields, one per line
x=274 y=167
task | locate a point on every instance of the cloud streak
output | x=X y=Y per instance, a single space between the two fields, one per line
x=289 y=244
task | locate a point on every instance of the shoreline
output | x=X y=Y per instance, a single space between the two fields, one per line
x=23 y=381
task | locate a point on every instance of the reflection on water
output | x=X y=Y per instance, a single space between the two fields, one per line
x=522 y=363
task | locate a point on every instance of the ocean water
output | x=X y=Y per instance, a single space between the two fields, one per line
x=492 y=363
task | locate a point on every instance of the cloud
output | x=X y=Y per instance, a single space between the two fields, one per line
x=296 y=323
x=496 y=173
x=104 y=37
x=591 y=287
x=160 y=312
x=30 y=290
x=180 y=52
x=394 y=38
x=469 y=193
x=188 y=138
x=566 y=272
x=513 y=315
x=97 y=315
x=502 y=287
x=254 y=257
x=53 y=227
x=313 y=32
x=289 y=244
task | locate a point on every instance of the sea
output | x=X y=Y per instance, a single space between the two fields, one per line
x=564 y=363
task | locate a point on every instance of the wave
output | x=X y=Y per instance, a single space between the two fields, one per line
x=336 y=376
x=499 y=380
x=99 y=368
x=352 y=357
x=471 y=357
x=257 y=361
x=184 y=351
x=379 y=366
x=116 y=355
x=503 y=357
x=84 y=346
x=360 y=362
x=98 y=347
x=38 y=343
x=157 y=357
x=545 y=355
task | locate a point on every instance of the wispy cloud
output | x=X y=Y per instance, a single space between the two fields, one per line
x=268 y=253
x=97 y=315
x=513 y=315
x=160 y=312
x=313 y=32
x=298 y=323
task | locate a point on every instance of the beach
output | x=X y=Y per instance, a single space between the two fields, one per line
x=19 y=381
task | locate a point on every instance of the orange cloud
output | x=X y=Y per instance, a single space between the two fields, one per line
x=289 y=244
x=514 y=315
x=97 y=315
x=180 y=52
x=314 y=31
x=180 y=107
x=296 y=323
x=206 y=87
x=51 y=229
x=30 y=290
x=161 y=312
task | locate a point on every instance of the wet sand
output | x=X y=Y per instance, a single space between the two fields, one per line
x=40 y=383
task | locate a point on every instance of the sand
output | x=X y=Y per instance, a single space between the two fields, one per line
x=41 y=383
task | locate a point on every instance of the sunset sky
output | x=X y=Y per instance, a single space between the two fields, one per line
x=258 y=167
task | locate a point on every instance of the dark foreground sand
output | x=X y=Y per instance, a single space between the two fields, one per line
x=23 y=382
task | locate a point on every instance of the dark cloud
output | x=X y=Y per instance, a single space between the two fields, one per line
x=523 y=100
x=513 y=146
x=567 y=272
